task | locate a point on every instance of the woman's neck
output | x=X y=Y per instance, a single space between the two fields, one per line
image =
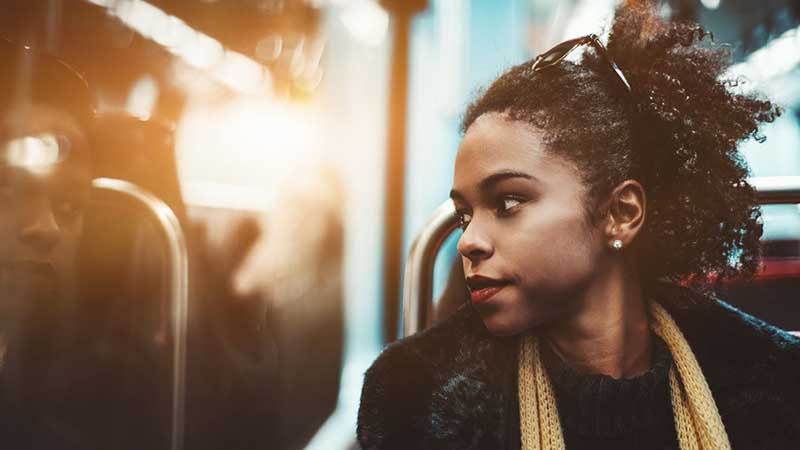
x=608 y=331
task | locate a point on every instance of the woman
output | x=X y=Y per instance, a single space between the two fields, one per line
x=586 y=191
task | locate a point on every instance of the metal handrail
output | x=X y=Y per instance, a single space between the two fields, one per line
x=178 y=261
x=418 y=279
x=776 y=190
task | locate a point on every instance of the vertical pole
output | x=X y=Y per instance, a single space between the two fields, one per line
x=402 y=12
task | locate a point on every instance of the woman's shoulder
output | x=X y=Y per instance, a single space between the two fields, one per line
x=733 y=347
x=452 y=341
x=751 y=368
x=426 y=386
x=705 y=315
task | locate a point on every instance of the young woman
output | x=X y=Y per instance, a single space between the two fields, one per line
x=588 y=193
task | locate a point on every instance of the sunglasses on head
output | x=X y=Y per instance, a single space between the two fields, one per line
x=560 y=51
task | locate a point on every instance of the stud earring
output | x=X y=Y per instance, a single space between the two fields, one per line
x=617 y=244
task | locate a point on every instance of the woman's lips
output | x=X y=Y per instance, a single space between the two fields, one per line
x=483 y=295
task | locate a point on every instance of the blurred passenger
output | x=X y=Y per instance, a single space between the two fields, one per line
x=233 y=390
x=72 y=377
x=45 y=110
x=296 y=268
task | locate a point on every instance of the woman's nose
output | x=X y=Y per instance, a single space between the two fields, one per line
x=38 y=227
x=474 y=244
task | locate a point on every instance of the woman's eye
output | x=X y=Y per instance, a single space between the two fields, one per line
x=507 y=203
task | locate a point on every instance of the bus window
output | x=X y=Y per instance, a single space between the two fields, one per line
x=773 y=293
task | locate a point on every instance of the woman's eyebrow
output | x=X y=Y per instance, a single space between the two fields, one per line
x=489 y=182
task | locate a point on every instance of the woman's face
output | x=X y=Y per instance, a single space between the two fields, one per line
x=528 y=248
x=41 y=210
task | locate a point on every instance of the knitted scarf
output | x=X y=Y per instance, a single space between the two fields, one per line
x=697 y=420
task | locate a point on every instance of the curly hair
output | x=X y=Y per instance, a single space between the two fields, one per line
x=677 y=134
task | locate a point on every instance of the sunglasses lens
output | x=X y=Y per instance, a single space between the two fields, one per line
x=558 y=52
x=550 y=58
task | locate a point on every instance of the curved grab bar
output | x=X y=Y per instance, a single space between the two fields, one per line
x=418 y=279
x=178 y=261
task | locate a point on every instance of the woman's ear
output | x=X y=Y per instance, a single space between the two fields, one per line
x=626 y=213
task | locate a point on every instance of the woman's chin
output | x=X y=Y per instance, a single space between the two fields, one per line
x=500 y=324
x=504 y=319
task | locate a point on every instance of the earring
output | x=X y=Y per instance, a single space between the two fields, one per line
x=617 y=244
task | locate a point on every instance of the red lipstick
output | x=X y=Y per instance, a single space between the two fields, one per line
x=484 y=294
x=484 y=288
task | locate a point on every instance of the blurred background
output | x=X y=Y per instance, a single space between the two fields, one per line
x=302 y=144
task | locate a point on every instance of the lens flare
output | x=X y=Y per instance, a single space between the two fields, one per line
x=35 y=153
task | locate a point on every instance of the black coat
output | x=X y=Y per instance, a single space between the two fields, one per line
x=454 y=385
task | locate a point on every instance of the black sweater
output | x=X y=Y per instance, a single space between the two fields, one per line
x=454 y=385
x=598 y=411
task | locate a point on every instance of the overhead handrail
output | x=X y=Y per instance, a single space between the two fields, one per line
x=418 y=278
x=178 y=278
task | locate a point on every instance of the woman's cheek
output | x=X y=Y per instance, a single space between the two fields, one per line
x=560 y=254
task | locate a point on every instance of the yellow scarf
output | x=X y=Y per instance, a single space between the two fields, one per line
x=697 y=420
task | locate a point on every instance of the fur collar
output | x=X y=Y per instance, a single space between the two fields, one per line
x=454 y=385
